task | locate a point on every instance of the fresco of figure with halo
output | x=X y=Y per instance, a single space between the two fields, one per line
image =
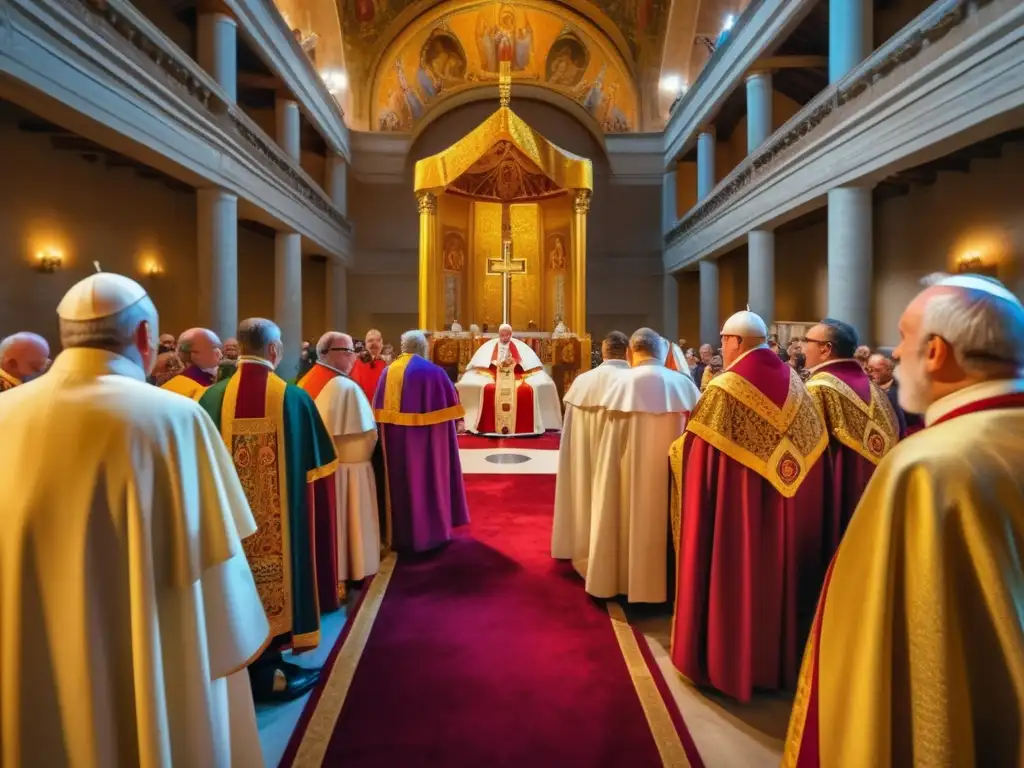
x=499 y=38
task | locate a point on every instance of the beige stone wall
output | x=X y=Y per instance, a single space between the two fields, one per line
x=54 y=199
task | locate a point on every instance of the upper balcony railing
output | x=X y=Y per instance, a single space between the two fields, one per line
x=926 y=33
x=261 y=21
x=761 y=24
x=153 y=50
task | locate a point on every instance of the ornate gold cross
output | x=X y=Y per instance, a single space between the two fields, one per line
x=506 y=266
x=505 y=83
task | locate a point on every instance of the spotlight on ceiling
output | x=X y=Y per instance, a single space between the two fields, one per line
x=730 y=21
x=673 y=84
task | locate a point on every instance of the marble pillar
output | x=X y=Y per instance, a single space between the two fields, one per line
x=670 y=307
x=337 y=182
x=669 y=214
x=761 y=274
x=288 y=298
x=217 y=256
x=849 y=208
x=759 y=109
x=710 y=327
x=286 y=117
x=705 y=164
x=850 y=35
x=217 y=50
x=850 y=257
x=337 y=296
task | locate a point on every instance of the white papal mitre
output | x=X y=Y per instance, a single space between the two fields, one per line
x=100 y=295
x=978 y=283
x=746 y=325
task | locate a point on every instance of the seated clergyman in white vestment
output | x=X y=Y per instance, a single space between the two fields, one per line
x=348 y=416
x=645 y=410
x=506 y=392
x=128 y=608
x=577 y=452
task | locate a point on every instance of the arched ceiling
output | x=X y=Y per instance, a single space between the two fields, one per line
x=404 y=57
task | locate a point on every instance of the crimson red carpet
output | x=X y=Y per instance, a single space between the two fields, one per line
x=489 y=653
x=546 y=442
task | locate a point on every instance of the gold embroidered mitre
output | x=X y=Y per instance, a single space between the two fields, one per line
x=779 y=444
x=870 y=430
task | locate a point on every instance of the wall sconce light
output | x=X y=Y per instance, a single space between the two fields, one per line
x=969 y=262
x=49 y=260
x=154 y=270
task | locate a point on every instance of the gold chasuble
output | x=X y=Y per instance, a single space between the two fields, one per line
x=916 y=655
x=7 y=381
x=868 y=429
x=281 y=450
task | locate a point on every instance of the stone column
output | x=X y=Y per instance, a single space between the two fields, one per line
x=669 y=215
x=850 y=257
x=288 y=298
x=759 y=109
x=337 y=182
x=761 y=274
x=670 y=307
x=849 y=208
x=850 y=38
x=217 y=250
x=760 y=243
x=578 y=232
x=710 y=328
x=705 y=164
x=428 y=259
x=286 y=114
x=217 y=50
x=337 y=296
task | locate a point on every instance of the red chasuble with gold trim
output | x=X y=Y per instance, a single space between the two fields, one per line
x=282 y=453
x=862 y=429
x=330 y=589
x=508 y=403
x=746 y=507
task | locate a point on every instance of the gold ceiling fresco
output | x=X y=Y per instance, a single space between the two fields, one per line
x=442 y=55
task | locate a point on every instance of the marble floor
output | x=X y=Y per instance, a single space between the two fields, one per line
x=727 y=734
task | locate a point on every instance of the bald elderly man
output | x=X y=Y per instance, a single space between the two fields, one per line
x=199 y=350
x=23 y=357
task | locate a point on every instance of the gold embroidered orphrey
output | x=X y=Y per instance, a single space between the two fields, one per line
x=505 y=388
x=254 y=449
x=867 y=429
x=779 y=444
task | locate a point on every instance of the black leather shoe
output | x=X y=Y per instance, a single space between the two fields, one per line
x=281 y=681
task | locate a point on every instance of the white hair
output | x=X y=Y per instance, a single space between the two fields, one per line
x=114 y=333
x=503 y=326
x=984 y=327
x=414 y=343
x=650 y=342
x=325 y=343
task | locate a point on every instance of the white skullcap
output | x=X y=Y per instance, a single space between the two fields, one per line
x=503 y=326
x=746 y=325
x=100 y=295
x=975 y=283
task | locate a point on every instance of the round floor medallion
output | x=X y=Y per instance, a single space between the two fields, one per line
x=507 y=458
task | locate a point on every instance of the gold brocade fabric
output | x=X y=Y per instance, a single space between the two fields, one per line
x=869 y=430
x=779 y=444
x=7 y=381
x=566 y=170
x=675 y=460
x=254 y=449
x=505 y=396
x=921 y=651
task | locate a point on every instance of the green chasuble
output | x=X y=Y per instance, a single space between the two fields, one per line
x=283 y=455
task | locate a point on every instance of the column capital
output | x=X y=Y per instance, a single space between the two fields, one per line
x=581 y=201
x=759 y=73
x=706 y=130
x=427 y=202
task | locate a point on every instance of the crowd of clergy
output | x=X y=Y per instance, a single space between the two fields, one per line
x=170 y=529
x=164 y=545
x=863 y=512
